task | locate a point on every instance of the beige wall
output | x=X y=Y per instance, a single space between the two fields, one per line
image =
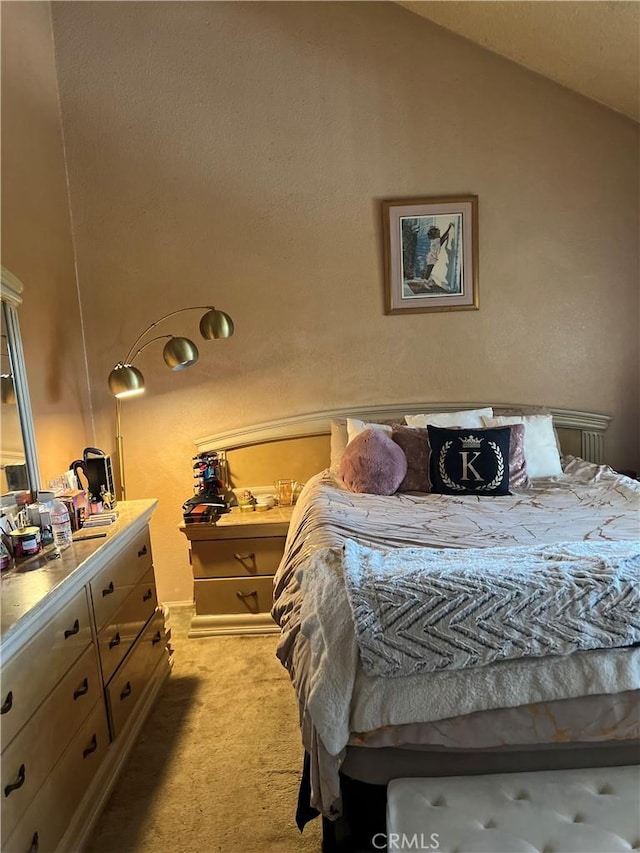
x=237 y=154
x=36 y=236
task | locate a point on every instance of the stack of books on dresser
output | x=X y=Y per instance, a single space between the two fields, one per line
x=99 y=519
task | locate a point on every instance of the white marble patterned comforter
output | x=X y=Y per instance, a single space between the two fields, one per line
x=339 y=703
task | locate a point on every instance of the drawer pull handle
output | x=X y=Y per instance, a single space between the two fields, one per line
x=156 y=638
x=241 y=557
x=13 y=786
x=82 y=690
x=35 y=844
x=93 y=745
x=7 y=704
x=249 y=599
x=71 y=631
x=126 y=691
x=142 y=551
x=148 y=594
x=108 y=590
x=114 y=641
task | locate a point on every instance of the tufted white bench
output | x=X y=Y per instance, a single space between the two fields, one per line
x=552 y=811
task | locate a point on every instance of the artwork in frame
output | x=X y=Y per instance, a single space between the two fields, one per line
x=431 y=254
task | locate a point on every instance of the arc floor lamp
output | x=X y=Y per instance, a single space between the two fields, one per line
x=125 y=380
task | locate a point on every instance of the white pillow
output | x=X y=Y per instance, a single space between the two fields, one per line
x=468 y=418
x=338 y=443
x=540 y=447
x=355 y=427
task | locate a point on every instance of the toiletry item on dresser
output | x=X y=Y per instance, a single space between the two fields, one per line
x=78 y=505
x=100 y=519
x=39 y=515
x=33 y=514
x=46 y=527
x=6 y=526
x=44 y=503
x=26 y=541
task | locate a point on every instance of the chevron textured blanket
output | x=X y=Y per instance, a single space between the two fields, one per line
x=422 y=610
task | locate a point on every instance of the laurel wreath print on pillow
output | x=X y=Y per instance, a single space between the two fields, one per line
x=469 y=461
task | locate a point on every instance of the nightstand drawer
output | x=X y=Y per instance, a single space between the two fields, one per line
x=47 y=817
x=234 y=595
x=114 y=583
x=128 y=684
x=116 y=638
x=31 y=755
x=31 y=675
x=223 y=558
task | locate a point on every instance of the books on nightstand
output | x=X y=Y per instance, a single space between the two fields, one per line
x=100 y=519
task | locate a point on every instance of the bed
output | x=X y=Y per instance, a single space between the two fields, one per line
x=364 y=718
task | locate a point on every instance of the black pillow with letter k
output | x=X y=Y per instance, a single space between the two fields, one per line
x=469 y=461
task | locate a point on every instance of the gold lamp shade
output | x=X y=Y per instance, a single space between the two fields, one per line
x=216 y=324
x=125 y=380
x=179 y=353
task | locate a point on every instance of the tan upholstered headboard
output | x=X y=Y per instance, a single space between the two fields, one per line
x=299 y=447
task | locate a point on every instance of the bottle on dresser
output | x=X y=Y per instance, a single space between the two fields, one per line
x=60 y=524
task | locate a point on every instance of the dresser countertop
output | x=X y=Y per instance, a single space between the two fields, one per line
x=35 y=586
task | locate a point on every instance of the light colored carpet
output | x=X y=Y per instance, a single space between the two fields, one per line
x=217 y=765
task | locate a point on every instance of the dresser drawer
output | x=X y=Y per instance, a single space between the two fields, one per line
x=30 y=675
x=117 y=637
x=113 y=584
x=30 y=756
x=223 y=558
x=128 y=684
x=234 y=595
x=47 y=817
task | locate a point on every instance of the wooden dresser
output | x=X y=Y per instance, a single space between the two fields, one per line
x=233 y=564
x=84 y=653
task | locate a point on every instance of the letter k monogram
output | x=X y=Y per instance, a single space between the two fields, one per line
x=467 y=465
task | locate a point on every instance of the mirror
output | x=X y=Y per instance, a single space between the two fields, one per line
x=18 y=453
x=12 y=460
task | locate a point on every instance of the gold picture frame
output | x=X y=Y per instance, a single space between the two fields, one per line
x=431 y=254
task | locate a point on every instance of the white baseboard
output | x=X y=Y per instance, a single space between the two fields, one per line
x=232 y=624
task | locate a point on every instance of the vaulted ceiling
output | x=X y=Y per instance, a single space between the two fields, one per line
x=590 y=46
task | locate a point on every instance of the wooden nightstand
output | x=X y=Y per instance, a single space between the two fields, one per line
x=233 y=564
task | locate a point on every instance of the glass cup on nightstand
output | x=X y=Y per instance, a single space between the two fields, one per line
x=285 y=490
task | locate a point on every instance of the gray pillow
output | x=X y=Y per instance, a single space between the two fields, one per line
x=373 y=464
x=518 y=477
x=415 y=443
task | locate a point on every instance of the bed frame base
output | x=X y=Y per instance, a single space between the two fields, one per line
x=364 y=802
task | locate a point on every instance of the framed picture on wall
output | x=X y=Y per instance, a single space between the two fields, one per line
x=431 y=254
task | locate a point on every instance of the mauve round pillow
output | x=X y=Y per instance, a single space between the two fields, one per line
x=373 y=464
